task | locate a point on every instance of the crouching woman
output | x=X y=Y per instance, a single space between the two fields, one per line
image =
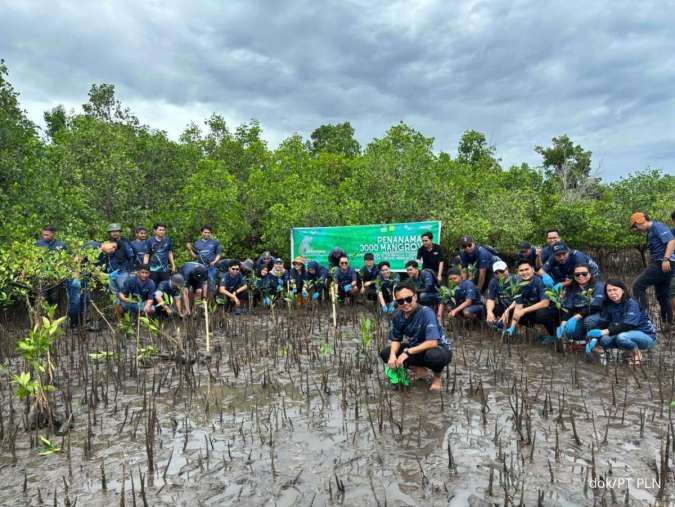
x=623 y=324
x=425 y=346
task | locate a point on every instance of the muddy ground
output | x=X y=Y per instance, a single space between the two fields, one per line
x=293 y=412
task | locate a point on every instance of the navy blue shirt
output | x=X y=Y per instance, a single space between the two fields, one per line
x=657 y=238
x=343 y=277
x=297 y=277
x=194 y=274
x=207 y=250
x=140 y=248
x=481 y=257
x=320 y=274
x=532 y=293
x=166 y=287
x=231 y=282
x=273 y=282
x=575 y=301
x=159 y=253
x=134 y=287
x=121 y=260
x=466 y=290
x=368 y=274
x=628 y=313
x=420 y=327
x=500 y=291
x=565 y=271
x=546 y=254
x=54 y=244
x=387 y=286
x=426 y=282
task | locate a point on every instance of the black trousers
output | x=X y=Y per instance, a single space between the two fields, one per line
x=435 y=359
x=654 y=275
x=548 y=317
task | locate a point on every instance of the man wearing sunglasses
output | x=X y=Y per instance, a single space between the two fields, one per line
x=479 y=258
x=346 y=280
x=426 y=346
x=561 y=265
x=232 y=285
x=661 y=244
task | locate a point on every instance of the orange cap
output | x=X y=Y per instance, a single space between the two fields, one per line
x=637 y=218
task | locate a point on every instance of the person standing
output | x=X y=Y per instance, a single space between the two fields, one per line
x=430 y=255
x=117 y=258
x=206 y=251
x=159 y=255
x=661 y=244
x=139 y=245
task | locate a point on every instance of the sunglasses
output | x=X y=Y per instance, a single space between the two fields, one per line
x=581 y=273
x=404 y=301
x=500 y=271
x=467 y=246
x=343 y=263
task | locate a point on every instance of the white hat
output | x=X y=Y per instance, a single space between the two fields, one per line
x=499 y=266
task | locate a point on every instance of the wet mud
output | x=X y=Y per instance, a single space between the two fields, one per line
x=287 y=410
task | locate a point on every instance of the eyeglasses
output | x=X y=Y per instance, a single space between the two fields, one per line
x=404 y=301
x=581 y=273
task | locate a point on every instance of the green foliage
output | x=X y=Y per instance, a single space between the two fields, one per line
x=101 y=165
x=48 y=447
x=25 y=385
x=325 y=350
x=555 y=295
x=365 y=325
x=147 y=353
x=98 y=357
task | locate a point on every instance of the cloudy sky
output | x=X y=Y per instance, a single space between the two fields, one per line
x=522 y=72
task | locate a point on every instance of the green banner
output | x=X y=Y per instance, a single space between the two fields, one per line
x=396 y=243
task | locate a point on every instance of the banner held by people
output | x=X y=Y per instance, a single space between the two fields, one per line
x=396 y=243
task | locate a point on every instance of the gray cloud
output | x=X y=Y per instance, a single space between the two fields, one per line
x=522 y=72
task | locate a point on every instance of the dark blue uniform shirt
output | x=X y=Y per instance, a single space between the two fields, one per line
x=629 y=313
x=51 y=245
x=500 y=292
x=134 y=287
x=657 y=238
x=159 y=253
x=565 y=271
x=207 y=250
x=420 y=327
x=532 y=293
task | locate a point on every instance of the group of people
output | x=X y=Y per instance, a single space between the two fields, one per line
x=555 y=287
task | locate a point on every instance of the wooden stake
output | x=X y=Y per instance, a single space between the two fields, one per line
x=206 y=322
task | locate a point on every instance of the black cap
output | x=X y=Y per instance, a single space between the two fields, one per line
x=524 y=245
x=560 y=247
x=465 y=240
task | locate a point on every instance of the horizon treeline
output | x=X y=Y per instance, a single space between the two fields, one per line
x=101 y=165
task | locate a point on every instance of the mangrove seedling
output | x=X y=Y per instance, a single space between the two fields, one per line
x=48 y=447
